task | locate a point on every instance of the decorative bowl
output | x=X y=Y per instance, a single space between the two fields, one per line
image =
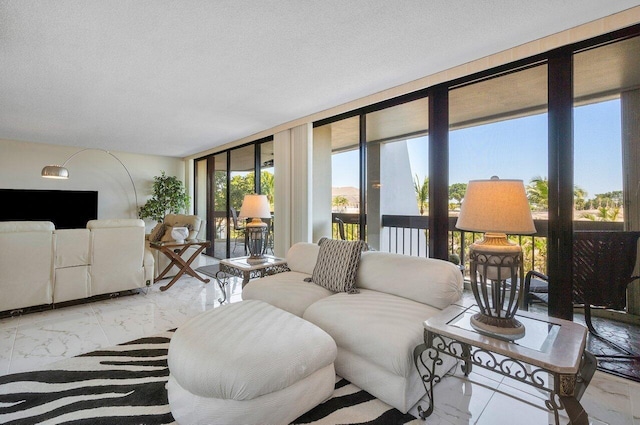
x=179 y=234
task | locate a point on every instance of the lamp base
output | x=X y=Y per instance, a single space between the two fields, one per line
x=256 y=238
x=500 y=327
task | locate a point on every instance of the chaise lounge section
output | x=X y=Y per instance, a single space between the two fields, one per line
x=375 y=329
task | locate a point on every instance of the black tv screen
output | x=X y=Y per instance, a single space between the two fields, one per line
x=67 y=209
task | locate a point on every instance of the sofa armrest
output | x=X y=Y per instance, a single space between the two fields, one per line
x=148 y=264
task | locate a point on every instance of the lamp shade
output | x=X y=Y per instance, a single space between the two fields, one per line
x=55 y=172
x=255 y=206
x=496 y=206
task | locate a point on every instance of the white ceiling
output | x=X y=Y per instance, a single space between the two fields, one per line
x=179 y=77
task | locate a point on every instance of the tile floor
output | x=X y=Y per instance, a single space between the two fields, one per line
x=34 y=340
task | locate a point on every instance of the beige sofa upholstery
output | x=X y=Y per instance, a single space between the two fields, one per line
x=376 y=329
x=26 y=264
x=71 y=268
x=198 y=231
x=41 y=265
x=117 y=254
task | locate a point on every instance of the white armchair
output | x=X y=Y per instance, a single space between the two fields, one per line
x=117 y=253
x=162 y=232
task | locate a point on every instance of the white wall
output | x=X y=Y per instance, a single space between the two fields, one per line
x=22 y=162
x=398 y=197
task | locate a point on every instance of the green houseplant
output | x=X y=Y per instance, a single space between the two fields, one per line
x=169 y=196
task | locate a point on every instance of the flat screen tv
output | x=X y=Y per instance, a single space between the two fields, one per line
x=67 y=209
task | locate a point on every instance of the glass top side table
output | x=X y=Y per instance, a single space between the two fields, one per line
x=247 y=269
x=551 y=356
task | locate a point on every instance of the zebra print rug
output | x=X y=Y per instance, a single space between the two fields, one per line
x=125 y=384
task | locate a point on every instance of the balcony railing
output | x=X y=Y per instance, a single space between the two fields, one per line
x=351 y=226
x=409 y=235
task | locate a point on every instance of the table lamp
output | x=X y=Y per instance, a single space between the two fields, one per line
x=496 y=207
x=256 y=207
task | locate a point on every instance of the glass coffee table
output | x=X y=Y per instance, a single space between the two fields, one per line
x=550 y=357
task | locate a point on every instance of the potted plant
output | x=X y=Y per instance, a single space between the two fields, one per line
x=169 y=196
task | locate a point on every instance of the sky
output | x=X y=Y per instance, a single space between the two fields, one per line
x=517 y=149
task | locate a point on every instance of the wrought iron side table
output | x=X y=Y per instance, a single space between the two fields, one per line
x=249 y=269
x=550 y=357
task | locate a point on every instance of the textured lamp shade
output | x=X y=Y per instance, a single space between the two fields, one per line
x=496 y=206
x=255 y=206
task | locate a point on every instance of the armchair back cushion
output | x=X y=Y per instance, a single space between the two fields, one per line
x=26 y=262
x=71 y=265
x=72 y=247
x=429 y=281
x=193 y=222
x=117 y=255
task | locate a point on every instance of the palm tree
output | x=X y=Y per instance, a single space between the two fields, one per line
x=267 y=185
x=579 y=197
x=340 y=201
x=538 y=193
x=422 y=192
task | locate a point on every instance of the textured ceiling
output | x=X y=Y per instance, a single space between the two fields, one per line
x=179 y=77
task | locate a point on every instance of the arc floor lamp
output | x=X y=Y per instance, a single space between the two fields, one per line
x=61 y=172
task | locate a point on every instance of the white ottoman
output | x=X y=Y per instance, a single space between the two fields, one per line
x=248 y=363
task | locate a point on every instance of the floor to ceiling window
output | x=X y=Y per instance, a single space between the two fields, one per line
x=397 y=176
x=515 y=121
x=606 y=87
x=606 y=137
x=267 y=185
x=222 y=180
x=340 y=140
x=498 y=127
x=218 y=207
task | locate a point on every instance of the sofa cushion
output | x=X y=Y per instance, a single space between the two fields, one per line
x=302 y=257
x=26 y=264
x=287 y=291
x=71 y=247
x=380 y=327
x=254 y=349
x=429 y=281
x=337 y=264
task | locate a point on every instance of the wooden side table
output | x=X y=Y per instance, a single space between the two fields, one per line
x=174 y=250
x=248 y=269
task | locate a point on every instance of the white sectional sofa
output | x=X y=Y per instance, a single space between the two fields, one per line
x=41 y=265
x=376 y=329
